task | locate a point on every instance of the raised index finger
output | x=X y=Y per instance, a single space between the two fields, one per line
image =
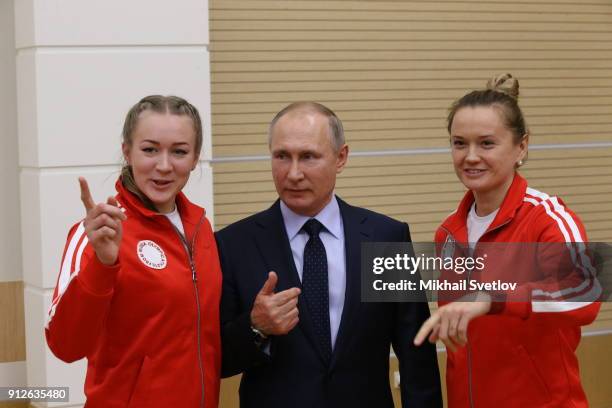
x=86 y=198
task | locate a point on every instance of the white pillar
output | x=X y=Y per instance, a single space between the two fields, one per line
x=80 y=66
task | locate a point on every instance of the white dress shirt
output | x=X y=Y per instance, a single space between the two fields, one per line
x=332 y=237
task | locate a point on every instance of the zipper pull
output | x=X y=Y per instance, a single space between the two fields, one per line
x=193 y=274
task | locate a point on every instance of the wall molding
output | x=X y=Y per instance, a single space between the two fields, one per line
x=416 y=152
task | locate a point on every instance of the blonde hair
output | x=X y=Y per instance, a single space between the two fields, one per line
x=504 y=83
x=173 y=105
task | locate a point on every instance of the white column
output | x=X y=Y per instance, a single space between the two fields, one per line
x=80 y=66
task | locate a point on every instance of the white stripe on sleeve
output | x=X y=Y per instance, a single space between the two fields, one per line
x=66 y=270
x=66 y=273
x=542 y=307
x=555 y=210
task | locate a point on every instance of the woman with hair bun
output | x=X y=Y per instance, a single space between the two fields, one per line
x=518 y=350
x=140 y=282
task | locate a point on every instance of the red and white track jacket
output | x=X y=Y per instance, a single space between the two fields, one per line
x=149 y=325
x=524 y=354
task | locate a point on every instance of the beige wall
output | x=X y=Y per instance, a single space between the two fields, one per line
x=390 y=70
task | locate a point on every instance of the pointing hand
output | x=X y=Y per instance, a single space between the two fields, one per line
x=102 y=225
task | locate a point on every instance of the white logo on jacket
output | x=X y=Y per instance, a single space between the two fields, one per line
x=448 y=249
x=151 y=254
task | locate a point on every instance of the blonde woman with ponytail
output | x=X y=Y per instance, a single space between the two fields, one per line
x=139 y=286
x=519 y=350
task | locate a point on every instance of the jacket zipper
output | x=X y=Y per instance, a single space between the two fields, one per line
x=469 y=347
x=190 y=255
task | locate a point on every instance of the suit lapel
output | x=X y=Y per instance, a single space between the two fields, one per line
x=273 y=244
x=356 y=231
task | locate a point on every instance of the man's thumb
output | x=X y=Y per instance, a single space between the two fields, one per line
x=270 y=284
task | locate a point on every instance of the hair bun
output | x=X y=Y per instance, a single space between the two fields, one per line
x=504 y=83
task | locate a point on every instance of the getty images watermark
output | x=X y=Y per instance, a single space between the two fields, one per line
x=411 y=272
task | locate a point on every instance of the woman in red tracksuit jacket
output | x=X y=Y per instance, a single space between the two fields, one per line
x=139 y=287
x=519 y=352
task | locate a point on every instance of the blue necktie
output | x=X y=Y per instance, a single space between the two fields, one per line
x=315 y=288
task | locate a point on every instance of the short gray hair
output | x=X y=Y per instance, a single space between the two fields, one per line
x=336 y=129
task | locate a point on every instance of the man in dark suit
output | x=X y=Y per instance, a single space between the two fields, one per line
x=291 y=316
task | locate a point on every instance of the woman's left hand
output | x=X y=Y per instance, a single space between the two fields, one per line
x=450 y=322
